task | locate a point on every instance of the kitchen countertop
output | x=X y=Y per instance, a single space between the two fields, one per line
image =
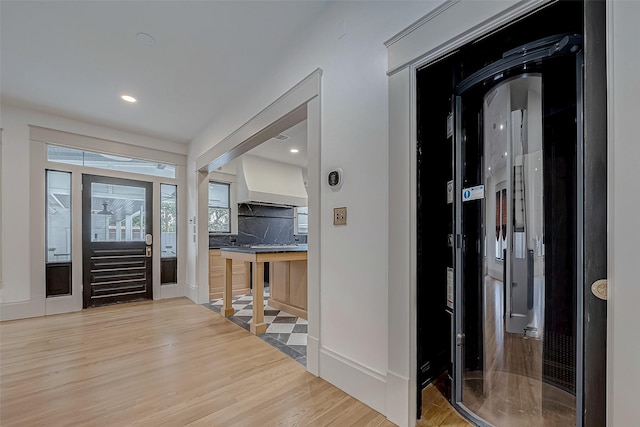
x=261 y=249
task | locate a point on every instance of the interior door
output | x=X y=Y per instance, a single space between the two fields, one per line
x=116 y=240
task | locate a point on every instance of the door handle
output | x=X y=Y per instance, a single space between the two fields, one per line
x=148 y=239
x=459 y=339
x=600 y=289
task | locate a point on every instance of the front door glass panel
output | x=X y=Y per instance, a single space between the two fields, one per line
x=117 y=212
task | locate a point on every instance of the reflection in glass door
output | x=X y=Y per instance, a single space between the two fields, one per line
x=517 y=342
x=116 y=240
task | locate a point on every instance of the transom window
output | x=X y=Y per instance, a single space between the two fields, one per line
x=72 y=156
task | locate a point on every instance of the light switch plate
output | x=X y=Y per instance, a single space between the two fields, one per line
x=340 y=216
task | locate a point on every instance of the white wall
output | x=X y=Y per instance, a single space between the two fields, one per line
x=623 y=344
x=23 y=286
x=347 y=43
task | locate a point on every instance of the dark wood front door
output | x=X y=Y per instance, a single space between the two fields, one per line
x=116 y=240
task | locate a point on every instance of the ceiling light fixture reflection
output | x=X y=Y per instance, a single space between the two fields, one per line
x=294 y=150
x=129 y=98
x=104 y=210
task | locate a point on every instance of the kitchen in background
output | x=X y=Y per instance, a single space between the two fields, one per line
x=263 y=224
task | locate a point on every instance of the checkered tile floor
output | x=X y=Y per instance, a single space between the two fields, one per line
x=285 y=331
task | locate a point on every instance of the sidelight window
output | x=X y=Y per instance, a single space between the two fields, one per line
x=168 y=233
x=168 y=220
x=58 y=233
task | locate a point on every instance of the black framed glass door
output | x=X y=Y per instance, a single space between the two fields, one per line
x=116 y=240
x=518 y=126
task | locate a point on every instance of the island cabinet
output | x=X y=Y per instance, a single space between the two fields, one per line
x=288 y=287
x=241 y=276
x=290 y=283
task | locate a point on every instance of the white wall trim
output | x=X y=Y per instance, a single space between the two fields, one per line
x=201 y=237
x=17 y=310
x=420 y=22
x=314 y=276
x=401 y=275
x=0 y=208
x=611 y=247
x=299 y=103
x=191 y=292
x=37 y=230
x=62 y=304
x=399 y=391
x=481 y=17
x=439 y=33
x=171 y=290
x=74 y=140
x=361 y=382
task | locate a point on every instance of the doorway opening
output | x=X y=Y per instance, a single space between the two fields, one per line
x=301 y=103
x=504 y=117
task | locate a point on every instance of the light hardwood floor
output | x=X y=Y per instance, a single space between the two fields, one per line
x=159 y=363
x=437 y=411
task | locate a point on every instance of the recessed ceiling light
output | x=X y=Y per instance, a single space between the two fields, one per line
x=145 y=38
x=129 y=98
x=294 y=150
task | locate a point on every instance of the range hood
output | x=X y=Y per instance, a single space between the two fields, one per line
x=263 y=181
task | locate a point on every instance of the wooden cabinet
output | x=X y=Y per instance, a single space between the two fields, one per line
x=288 y=287
x=216 y=276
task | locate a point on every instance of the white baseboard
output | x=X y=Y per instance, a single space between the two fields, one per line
x=63 y=304
x=399 y=405
x=16 y=310
x=169 y=291
x=361 y=382
x=191 y=292
x=313 y=345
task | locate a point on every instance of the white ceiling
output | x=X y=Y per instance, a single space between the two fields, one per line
x=280 y=149
x=75 y=59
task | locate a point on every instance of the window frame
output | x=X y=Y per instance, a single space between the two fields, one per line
x=297 y=220
x=227 y=208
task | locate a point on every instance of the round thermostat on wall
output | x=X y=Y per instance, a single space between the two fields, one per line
x=335 y=179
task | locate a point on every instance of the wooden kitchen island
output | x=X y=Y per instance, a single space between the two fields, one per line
x=287 y=280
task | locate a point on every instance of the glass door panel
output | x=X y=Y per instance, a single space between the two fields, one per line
x=517 y=322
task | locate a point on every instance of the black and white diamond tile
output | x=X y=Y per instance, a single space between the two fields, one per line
x=286 y=332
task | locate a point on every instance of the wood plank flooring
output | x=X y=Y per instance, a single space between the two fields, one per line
x=159 y=363
x=437 y=411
